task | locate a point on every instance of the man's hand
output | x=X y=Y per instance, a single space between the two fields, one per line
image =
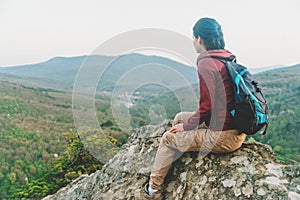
x=177 y=128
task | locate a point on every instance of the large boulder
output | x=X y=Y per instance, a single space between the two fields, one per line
x=251 y=172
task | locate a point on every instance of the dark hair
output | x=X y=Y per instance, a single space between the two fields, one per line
x=210 y=33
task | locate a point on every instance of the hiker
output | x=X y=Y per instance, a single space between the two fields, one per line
x=210 y=127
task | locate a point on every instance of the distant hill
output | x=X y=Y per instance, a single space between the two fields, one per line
x=264 y=69
x=60 y=72
x=56 y=70
x=281 y=69
x=33 y=81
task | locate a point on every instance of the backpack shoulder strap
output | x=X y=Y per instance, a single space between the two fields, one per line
x=231 y=58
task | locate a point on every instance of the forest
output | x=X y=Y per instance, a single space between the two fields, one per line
x=41 y=150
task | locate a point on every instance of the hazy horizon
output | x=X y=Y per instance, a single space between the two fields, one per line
x=260 y=33
x=147 y=54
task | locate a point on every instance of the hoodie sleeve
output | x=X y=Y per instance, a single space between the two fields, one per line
x=207 y=81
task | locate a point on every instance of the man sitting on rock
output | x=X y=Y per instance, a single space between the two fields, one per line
x=210 y=127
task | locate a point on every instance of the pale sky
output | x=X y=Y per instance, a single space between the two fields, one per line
x=260 y=32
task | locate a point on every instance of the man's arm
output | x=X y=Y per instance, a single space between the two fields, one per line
x=206 y=71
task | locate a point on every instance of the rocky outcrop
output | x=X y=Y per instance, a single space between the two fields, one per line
x=252 y=172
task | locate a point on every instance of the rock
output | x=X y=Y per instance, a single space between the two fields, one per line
x=294 y=196
x=229 y=183
x=261 y=192
x=272 y=180
x=183 y=176
x=237 y=191
x=274 y=169
x=248 y=190
x=251 y=172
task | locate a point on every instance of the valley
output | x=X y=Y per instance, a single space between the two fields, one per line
x=42 y=151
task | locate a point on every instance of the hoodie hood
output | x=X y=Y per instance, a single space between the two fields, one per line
x=223 y=53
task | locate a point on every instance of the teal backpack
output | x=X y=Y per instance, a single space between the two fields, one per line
x=250 y=110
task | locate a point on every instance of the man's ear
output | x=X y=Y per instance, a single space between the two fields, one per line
x=199 y=40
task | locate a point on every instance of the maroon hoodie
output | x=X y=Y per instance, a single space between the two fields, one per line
x=216 y=93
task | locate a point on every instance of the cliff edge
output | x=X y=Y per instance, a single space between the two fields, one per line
x=251 y=172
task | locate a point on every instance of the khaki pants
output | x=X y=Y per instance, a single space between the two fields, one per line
x=172 y=146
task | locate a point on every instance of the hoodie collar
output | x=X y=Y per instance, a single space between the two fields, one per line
x=223 y=53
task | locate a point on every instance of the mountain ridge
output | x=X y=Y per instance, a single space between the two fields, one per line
x=65 y=69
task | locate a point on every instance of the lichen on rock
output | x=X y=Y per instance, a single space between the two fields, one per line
x=251 y=172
